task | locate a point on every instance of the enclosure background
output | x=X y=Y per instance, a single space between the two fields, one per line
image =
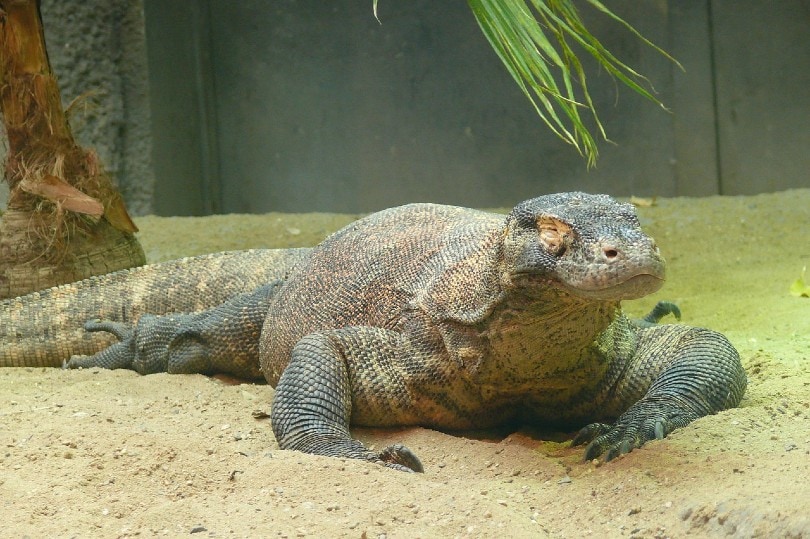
x=216 y=106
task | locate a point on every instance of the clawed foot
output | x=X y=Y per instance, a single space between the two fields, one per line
x=80 y=361
x=641 y=423
x=116 y=356
x=611 y=442
x=400 y=458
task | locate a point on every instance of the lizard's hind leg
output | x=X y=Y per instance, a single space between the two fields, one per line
x=223 y=339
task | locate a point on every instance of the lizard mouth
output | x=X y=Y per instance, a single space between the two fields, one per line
x=634 y=287
x=602 y=286
x=614 y=277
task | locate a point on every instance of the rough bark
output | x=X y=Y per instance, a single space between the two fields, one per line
x=65 y=220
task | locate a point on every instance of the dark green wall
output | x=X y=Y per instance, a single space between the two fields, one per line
x=315 y=106
x=762 y=76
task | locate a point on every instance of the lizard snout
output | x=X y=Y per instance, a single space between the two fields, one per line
x=612 y=252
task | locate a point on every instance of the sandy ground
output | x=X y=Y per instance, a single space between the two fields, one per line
x=111 y=454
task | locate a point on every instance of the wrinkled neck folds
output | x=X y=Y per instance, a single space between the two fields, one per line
x=542 y=340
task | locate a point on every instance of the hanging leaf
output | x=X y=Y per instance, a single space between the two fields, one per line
x=519 y=31
x=531 y=37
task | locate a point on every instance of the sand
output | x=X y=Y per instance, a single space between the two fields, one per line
x=98 y=453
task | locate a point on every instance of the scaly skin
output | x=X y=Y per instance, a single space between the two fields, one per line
x=43 y=329
x=453 y=319
x=223 y=340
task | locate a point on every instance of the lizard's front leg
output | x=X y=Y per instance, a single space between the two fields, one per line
x=335 y=376
x=688 y=372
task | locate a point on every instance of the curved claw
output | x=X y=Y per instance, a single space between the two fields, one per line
x=611 y=446
x=77 y=361
x=626 y=435
x=623 y=448
x=399 y=457
x=115 y=356
x=589 y=432
x=659 y=430
x=661 y=309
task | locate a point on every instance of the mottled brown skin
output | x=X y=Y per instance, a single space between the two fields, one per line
x=455 y=319
x=44 y=329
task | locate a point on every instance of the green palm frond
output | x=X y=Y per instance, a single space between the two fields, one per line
x=521 y=33
x=520 y=30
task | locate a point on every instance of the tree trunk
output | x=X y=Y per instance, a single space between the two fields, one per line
x=65 y=219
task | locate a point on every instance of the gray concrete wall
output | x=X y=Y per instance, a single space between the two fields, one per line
x=182 y=104
x=304 y=105
x=312 y=106
x=97 y=48
x=351 y=115
x=762 y=73
x=322 y=108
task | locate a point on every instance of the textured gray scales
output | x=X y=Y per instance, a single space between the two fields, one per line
x=424 y=314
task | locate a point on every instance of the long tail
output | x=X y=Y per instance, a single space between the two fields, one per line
x=45 y=328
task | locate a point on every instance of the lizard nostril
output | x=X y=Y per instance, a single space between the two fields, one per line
x=610 y=253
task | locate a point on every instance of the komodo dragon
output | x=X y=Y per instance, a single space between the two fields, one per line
x=429 y=315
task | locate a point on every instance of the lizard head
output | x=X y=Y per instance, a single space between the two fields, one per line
x=590 y=246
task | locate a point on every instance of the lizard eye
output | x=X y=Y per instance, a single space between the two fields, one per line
x=553 y=242
x=555 y=236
